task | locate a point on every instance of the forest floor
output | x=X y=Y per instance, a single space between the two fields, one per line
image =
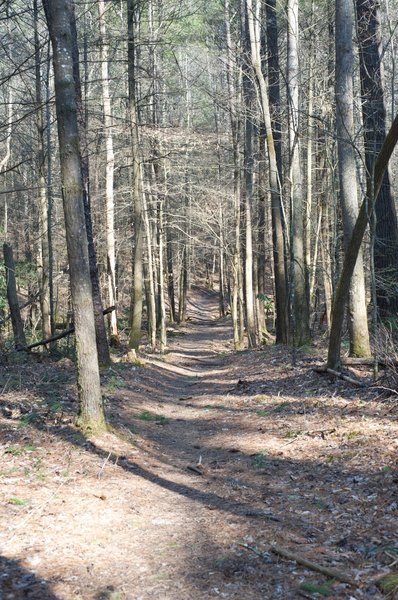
x=213 y=457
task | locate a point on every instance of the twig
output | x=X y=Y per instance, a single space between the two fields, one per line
x=332 y=573
x=252 y=549
x=61 y=335
x=103 y=465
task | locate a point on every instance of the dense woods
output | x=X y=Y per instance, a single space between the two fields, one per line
x=146 y=146
x=198 y=299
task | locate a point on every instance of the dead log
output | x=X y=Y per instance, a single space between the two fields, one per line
x=332 y=573
x=61 y=335
x=325 y=369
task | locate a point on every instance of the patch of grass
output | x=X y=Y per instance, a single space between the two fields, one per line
x=320 y=590
x=386 y=469
x=292 y=434
x=17 y=501
x=215 y=406
x=53 y=406
x=388 y=584
x=146 y=415
x=280 y=407
x=8 y=472
x=28 y=419
x=113 y=382
x=262 y=413
x=259 y=460
x=352 y=435
x=320 y=504
x=16 y=450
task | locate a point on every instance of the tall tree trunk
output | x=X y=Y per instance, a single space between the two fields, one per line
x=43 y=202
x=273 y=138
x=91 y=411
x=170 y=276
x=109 y=170
x=161 y=294
x=374 y=184
x=234 y=123
x=100 y=332
x=247 y=182
x=357 y=315
x=300 y=299
x=137 y=187
x=374 y=129
x=151 y=298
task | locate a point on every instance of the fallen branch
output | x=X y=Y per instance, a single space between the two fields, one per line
x=367 y=362
x=61 y=335
x=332 y=573
x=325 y=369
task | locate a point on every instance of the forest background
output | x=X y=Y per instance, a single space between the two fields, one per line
x=230 y=142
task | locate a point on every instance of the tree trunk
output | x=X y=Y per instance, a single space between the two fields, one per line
x=373 y=187
x=91 y=417
x=299 y=283
x=137 y=188
x=170 y=276
x=110 y=165
x=12 y=297
x=100 y=332
x=357 y=315
x=237 y=324
x=374 y=129
x=273 y=137
x=247 y=183
x=43 y=203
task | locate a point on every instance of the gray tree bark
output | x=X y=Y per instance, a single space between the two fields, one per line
x=91 y=413
x=357 y=314
x=374 y=129
x=299 y=283
x=137 y=189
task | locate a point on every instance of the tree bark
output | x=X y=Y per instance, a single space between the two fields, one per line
x=109 y=171
x=91 y=413
x=373 y=187
x=100 y=332
x=43 y=203
x=299 y=283
x=274 y=157
x=137 y=188
x=12 y=297
x=357 y=314
x=247 y=181
x=374 y=130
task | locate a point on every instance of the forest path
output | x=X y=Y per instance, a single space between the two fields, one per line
x=211 y=452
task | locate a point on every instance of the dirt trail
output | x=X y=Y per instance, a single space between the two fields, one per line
x=213 y=453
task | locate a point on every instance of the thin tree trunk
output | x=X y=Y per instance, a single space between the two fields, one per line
x=109 y=171
x=170 y=276
x=236 y=263
x=12 y=297
x=247 y=184
x=299 y=283
x=274 y=158
x=91 y=413
x=151 y=299
x=43 y=203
